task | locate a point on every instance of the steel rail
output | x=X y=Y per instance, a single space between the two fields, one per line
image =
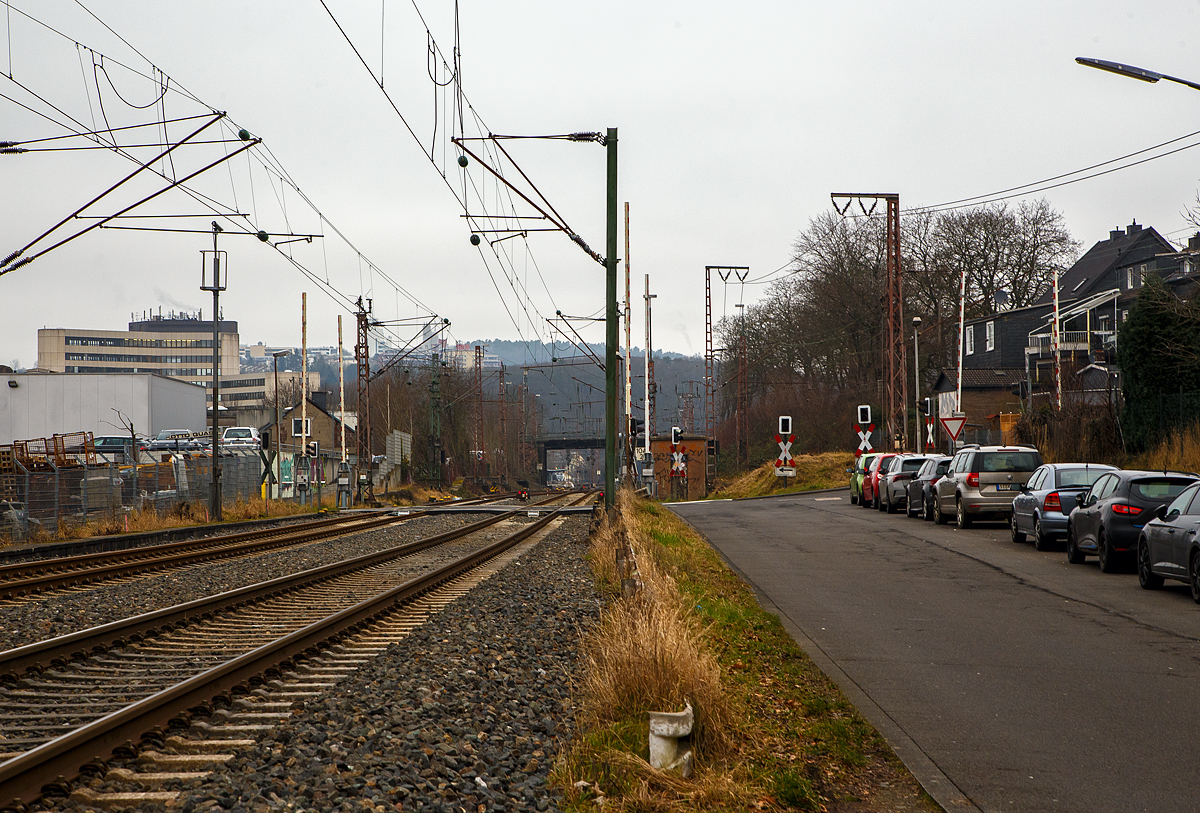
x=32 y=577
x=25 y=578
x=63 y=649
x=27 y=777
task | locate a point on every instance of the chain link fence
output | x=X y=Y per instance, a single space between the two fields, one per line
x=37 y=501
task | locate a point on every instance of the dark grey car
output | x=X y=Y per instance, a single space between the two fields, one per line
x=1041 y=509
x=920 y=488
x=1169 y=545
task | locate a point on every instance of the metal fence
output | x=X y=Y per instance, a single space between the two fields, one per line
x=41 y=500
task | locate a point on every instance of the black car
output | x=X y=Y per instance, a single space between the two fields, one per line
x=1110 y=516
x=920 y=488
x=1169 y=545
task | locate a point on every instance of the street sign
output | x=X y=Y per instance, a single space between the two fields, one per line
x=678 y=461
x=864 y=437
x=929 y=434
x=268 y=459
x=864 y=413
x=785 y=464
x=953 y=424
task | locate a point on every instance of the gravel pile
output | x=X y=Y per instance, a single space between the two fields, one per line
x=61 y=612
x=467 y=714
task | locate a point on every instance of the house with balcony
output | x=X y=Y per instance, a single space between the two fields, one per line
x=1094 y=298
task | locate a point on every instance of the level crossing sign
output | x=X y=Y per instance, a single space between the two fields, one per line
x=785 y=464
x=678 y=460
x=864 y=439
x=953 y=424
x=929 y=434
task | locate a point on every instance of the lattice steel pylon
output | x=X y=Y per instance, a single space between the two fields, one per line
x=710 y=390
x=362 y=364
x=895 y=353
x=478 y=452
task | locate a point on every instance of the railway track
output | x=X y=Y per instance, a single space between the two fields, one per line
x=120 y=689
x=28 y=579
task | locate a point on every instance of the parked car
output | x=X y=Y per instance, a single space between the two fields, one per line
x=1169 y=545
x=981 y=482
x=920 y=487
x=118 y=448
x=241 y=437
x=861 y=464
x=1041 y=509
x=893 y=489
x=178 y=440
x=1109 y=518
x=870 y=488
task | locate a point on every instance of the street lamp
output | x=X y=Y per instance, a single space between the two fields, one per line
x=916 y=320
x=1133 y=73
x=275 y=359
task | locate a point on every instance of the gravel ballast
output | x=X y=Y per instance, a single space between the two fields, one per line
x=468 y=713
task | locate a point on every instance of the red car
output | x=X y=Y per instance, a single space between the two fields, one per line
x=870 y=486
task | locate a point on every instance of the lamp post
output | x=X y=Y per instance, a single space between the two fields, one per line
x=916 y=320
x=275 y=359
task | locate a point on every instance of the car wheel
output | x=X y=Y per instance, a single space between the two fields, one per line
x=891 y=506
x=929 y=508
x=1074 y=555
x=1146 y=577
x=1194 y=576
x=908 y=508
x=853 y=498
x=960 y=514
x=938 y=517
x=1108 y=557
x=1040 y=542
x=1017 y=536
x=875 y=500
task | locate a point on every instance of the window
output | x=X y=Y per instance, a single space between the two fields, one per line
x=970 y=340
x=296 y=427
x=1124 y=316
x=990 y=333
x=1129 y=278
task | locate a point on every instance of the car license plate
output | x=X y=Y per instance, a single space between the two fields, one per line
x=1006 y=486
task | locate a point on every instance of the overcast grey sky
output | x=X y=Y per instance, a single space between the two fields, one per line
x=736 y=122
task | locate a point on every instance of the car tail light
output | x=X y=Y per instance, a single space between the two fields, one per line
x=906 y=475
x=1052 y=502
x=973 y=480
x=1123 y=508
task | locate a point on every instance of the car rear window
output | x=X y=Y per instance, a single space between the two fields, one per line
x=913 y=465
x=1009 y=461
x=1159 y=488
x=1078 y=477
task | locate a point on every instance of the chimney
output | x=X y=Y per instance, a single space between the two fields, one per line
x=1116 y=234
x=320 y=399
x=1133 y=228
x=1194 y=242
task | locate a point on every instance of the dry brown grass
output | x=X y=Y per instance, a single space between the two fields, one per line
x=177 y=516
x=827 y=470
x=1179 y=452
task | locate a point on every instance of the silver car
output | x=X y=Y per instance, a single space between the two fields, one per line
x=893 y=487
x=982 y=481
x=1041 y=509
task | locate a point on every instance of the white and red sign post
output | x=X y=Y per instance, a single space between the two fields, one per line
x=785 y=464
x=864 y=435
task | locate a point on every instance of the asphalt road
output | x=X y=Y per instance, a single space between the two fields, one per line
x=1006 y=679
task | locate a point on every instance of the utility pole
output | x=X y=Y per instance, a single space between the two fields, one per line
x=610 y=348
x=630 y=441
x=502 y=406
x=304 y=387
x=216 y=285
x=435 y=419
x=362 y=363
x=649 y=423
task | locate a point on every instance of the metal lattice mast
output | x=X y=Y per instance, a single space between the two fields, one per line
x=435 y=418
x=629 y=434
x=362 y=365
x=503 y=408
x=895 y=352
x=479 y=411
x=710 y=410
x=743 y=402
